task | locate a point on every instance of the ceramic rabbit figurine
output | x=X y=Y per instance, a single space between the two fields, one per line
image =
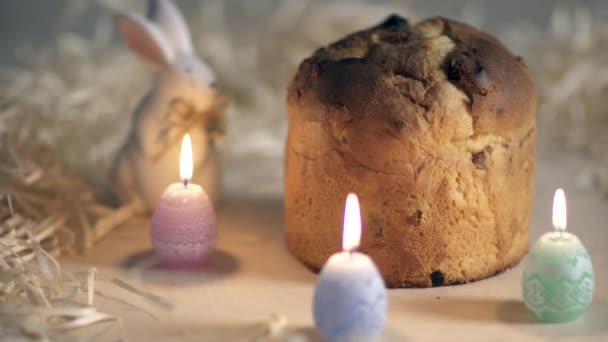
x=184 y=99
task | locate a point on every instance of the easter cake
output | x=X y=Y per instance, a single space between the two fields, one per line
x=433 y=126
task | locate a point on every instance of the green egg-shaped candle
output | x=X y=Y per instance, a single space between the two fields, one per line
x=558 y=279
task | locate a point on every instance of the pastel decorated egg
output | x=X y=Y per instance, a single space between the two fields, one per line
x=558 y=279
x=184 y=229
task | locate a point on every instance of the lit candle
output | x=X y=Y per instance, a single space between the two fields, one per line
x=558 y=276
x=184 y=229
x=350 y=296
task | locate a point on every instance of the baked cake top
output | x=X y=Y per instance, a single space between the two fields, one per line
x=397 y=70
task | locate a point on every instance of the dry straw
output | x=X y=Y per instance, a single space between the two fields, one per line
x=38 y=299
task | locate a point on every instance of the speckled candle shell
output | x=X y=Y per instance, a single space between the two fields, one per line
x=558 y=279
x=350 y=299
x=184 y=229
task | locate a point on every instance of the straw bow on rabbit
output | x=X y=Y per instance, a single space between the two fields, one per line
x=184 y=99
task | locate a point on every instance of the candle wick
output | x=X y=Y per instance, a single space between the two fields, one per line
x=185 y=182
x=351 y=252
x=560 y=232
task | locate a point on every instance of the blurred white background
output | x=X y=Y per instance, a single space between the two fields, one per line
x=35 y=21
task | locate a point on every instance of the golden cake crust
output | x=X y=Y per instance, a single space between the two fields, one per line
x=433 y=126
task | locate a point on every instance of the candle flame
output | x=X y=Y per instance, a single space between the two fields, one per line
x=559 y=210
x=351 y=233
x=185 y=160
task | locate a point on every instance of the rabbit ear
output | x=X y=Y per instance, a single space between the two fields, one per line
x=168 y=17
x=145 y=39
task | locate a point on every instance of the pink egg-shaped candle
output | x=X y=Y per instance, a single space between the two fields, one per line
x=184 y=226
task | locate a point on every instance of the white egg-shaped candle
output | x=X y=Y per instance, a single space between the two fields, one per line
x=558 y=276
x=350 y=297
x=184 y=228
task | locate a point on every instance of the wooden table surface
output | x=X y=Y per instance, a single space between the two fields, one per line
x=252 y=276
